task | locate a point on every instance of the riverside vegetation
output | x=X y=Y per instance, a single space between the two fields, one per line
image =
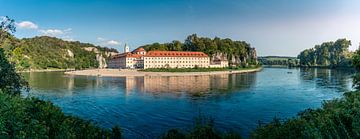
x=328 y=54
x=51 y=53
x=33 y=118
x=238 y=53
x=28 y=117
x=279 y=61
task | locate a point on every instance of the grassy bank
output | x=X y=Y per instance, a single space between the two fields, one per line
x=198 y=69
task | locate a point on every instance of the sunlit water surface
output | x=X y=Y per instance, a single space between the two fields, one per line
x=146 y=107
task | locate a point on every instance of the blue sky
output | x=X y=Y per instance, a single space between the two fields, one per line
x=273 y=27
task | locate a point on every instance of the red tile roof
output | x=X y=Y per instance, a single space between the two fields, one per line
x=127 y=54
x=175 y=54
x=139 y=50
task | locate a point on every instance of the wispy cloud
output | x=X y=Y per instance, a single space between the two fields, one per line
x=27 y=25
x=112 y=42
x=107 y=42
x=55 y=32
x=100 y=39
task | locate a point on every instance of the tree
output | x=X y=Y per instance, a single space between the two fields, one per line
x=6 y=25
x=329 y=54
x=10 y=81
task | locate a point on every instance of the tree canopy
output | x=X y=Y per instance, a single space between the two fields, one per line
x=49 y=52
x=240 y=50
x=328 y=54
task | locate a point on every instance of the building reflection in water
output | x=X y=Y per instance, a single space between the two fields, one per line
x=189 y=84
x=57 y=82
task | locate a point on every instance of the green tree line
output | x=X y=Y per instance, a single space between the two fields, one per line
x=49 y=53
x=240 y=50
x=279 y=60
x=328 y=54
x=28 y=117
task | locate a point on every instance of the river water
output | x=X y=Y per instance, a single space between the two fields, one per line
x=146 y=107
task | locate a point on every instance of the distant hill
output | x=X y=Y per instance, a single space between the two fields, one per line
x=52 y=53
x=278 y=60
x=236 y=52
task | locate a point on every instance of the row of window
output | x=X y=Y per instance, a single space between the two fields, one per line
x=159 y=66
x=176 y=62
x=176 y=58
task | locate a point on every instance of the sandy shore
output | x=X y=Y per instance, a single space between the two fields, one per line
x=126 y=72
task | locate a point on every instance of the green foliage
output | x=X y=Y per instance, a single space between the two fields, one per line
x=356 y=64
x=10 y=81
x=239 y=49
x=51 y=53
x=328 y=54
x=202 y=129
x=339 y=118
x=6 y=25
x=34 y=118
x=278 y=60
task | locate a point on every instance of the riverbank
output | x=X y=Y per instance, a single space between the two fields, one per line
x=127 y=72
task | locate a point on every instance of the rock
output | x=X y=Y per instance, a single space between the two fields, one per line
x=70 y=54
x=100 y=57
x=236 y=59
x=101 y=60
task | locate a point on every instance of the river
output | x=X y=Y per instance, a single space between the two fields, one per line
x=146 y=107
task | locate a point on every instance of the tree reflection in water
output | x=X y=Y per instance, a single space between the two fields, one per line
x=328 y=78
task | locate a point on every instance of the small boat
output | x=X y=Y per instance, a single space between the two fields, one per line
x=289 y=72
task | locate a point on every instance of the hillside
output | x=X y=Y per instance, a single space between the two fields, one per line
x=52 y=53
x=236 y=52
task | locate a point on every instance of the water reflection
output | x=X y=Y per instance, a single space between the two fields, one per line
x=193 y=85
x=328 y=78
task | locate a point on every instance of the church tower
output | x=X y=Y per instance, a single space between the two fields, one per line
x=126 y=48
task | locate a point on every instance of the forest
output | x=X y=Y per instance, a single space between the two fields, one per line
x=50 y=53
x=328 y=54
x=279 y=61
x=236 y=52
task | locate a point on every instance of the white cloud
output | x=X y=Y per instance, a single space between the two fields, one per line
x=52 y=32
x=55 y=32
x=112 y=42
x=100 y=38
x=106 y=42
x=27 y=25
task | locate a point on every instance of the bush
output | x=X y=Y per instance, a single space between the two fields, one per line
x=34 y=118
x=203 y=129
x=10 y=81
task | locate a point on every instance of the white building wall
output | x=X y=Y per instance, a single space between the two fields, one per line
x=176 y=62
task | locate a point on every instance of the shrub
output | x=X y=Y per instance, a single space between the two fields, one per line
x=10 y=81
